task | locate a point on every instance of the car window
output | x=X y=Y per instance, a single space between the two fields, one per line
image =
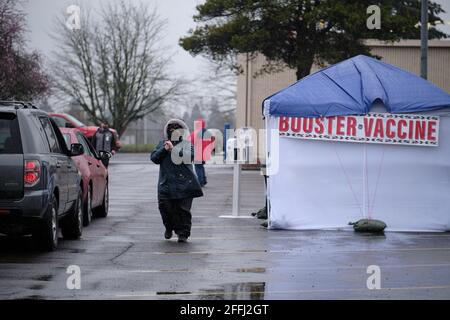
x=60 y=122
x=10 y=140
x=67 y=140
x=51 y=136
x=41 y=143
x=82 y=140
x=59 y=137
x=91 y=148
x=75 y=121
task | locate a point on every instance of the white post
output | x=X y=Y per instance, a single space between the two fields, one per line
x=236 y=189
x=236 y=205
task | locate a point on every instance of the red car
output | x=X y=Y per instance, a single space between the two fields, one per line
x=94 y=175
x=64 y=120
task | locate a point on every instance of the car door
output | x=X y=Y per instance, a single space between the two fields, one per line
x=73 y=176
x=102 y=172
x=58 y=165
x=94 y=166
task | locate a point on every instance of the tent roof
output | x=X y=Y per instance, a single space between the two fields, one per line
x=352 y=86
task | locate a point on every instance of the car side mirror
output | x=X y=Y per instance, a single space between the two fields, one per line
x=76 y=149
x=104 y=155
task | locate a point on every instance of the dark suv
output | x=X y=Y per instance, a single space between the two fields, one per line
x=39 y=182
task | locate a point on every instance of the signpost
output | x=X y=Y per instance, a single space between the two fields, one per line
x=239 y=150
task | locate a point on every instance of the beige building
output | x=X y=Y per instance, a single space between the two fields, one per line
x=252 y=90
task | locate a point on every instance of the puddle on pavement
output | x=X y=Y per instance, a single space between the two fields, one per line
x=35 y=297
x=46 y=277
x=232 y=291
x=36 y=287
x=76 y=250
x=235 y=291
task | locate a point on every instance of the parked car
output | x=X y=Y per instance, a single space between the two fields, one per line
x=40 y=188
x=64 y=120
x=94 y=176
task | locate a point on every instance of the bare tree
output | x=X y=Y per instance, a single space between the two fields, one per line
x=220 y=83
x=114 y=67
x=21 y=72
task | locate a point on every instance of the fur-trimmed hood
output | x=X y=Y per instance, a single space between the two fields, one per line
x=177 y=121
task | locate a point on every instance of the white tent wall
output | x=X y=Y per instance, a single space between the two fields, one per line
x=320 y=184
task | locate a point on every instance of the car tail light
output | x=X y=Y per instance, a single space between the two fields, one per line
x=32 y=173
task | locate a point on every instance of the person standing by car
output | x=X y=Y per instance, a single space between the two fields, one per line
x=104 y=140
x=177 y=183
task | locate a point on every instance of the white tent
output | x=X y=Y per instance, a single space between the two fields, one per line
x=327 y=184
x=360 y=139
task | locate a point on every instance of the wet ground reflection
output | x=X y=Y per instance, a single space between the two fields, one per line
x=235 y=291
x=251 y=270
x=231 y=291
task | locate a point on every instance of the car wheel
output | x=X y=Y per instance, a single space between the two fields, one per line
x=72 y=226
x=47 y=235
x=87 y=208
x=102 y=211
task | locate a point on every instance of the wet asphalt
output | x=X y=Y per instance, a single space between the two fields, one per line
x=125 y=256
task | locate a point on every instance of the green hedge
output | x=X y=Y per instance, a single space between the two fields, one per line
x=137 y=148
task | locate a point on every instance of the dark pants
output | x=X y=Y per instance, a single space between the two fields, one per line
x=176 y=215
x=200 y=172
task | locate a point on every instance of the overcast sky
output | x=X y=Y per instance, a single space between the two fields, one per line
x=178 y=13
x=41 y=14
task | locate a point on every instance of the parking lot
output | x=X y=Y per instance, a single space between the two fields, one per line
x=126 y=257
